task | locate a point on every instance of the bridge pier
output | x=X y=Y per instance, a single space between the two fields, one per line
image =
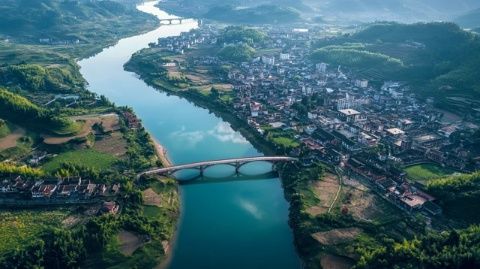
x=202 y=166
x=237 y=168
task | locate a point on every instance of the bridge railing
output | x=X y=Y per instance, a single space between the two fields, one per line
x=238 y=162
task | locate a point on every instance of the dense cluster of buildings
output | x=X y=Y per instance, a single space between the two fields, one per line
x=72 y=190
x=338 y=117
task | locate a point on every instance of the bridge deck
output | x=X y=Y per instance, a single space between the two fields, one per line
x=216 y=162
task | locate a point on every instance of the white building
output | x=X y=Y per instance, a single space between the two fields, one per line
x=268 y=60
x=346 y=103
x=321 y=67
x=284 y=56
x=361 y=83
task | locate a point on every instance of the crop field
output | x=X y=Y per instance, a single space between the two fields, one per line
x=19 y=227
x=87 y=157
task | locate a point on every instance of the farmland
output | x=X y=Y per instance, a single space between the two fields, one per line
x=17 y=228
x=87 y=157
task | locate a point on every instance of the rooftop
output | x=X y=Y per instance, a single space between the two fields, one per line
x=349 y=112
x=395 y=131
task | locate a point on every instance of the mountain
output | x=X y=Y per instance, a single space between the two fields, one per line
x=470 y=19
x=239 y=11
x=438 y=59
x=254 y=15
x=68 y=21
x=396 y=10
x=339 y=10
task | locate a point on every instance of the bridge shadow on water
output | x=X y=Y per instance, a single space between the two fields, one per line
x=231 y=178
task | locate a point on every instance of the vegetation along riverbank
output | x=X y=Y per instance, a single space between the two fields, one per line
x=69 y=196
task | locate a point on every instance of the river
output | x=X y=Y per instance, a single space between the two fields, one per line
x=225 y=223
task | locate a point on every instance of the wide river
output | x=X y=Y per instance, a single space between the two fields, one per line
x=224 y=224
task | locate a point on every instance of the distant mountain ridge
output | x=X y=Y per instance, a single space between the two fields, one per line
x=399 y=10
x=344 y=10
x=32 y=20
x=438 y=59
x=470 y=19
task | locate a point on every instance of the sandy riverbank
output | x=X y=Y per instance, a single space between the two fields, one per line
x=162 y=153
x=163 y=157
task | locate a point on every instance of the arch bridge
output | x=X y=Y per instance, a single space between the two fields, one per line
x=172 y=21
x=201 y=166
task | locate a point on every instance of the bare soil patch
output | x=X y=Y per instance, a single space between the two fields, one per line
x=336 y=236
x=150 y=197
x=71 y=221
x=223 y=87
x=113 y=144
x=335 y=262
x=128 y=242
x=325 y=189
x=10 y=141
x=197 y=79
x=360 y=202
x=162 y=154
x=109 y=123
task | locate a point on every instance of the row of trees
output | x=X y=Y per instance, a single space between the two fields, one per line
x=7 y=169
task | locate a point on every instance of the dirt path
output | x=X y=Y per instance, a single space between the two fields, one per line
x=326 y=190
x=340 y=181
x=10 y=141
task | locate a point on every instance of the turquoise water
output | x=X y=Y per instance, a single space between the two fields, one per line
x=224 y=224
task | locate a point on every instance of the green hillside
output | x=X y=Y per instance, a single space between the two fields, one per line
x=20 y=110
x=79 y=23
x=437 y=59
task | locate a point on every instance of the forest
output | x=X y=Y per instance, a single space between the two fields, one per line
x=237 y=53
x=459 y=195
x=20 y=110
x=449 y=249
x=236 y=34
x=57 y=20
x=35 y=77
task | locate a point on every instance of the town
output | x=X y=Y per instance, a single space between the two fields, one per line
x=330 y=114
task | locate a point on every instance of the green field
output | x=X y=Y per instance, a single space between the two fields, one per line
x=4 y=129
x=18 y=228
x=425 y=172
x=152 y=211
x=86 y=157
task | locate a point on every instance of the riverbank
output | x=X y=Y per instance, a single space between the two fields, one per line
x=162 y=153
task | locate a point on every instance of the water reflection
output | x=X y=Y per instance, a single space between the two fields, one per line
x=197 y=179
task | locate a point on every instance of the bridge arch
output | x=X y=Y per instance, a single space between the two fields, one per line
x=202 y=166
